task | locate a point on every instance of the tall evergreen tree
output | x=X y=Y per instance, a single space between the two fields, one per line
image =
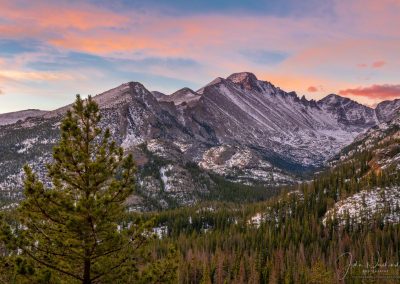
x=71 y=230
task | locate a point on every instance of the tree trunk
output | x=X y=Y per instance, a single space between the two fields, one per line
x=86 y=272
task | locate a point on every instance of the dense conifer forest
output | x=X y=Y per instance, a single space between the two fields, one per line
x=221 y=243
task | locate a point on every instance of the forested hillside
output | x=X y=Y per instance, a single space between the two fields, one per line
x=291 y=238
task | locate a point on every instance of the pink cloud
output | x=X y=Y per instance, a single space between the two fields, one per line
x=357 y=14
x=53 y=16
x=381 y=92
x=375 y=64
x=34 y=75
x=214 y=39
x=378 y=64
x=312 y=89
x=90 y=28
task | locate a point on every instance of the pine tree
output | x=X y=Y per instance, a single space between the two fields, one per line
x=320 y=274
x=71 y=230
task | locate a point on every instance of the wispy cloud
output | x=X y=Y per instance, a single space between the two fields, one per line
x=49 y=16
x=381 y=92
x=35 y=76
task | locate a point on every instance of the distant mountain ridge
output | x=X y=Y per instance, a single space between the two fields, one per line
x=13 y=117
x=241 y=128
x=182 y=96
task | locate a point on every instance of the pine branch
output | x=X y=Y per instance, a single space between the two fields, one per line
x=51 y=266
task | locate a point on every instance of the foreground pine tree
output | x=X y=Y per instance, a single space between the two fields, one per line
x=73 y=230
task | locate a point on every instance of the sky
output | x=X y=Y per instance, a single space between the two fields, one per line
x=52 y=50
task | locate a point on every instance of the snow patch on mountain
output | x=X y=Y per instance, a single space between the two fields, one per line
x=27 y=144
x=256 y=220
x=164 y=172
x=367 y=204
x=221 y=158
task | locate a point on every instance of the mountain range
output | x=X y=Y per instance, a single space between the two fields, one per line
x=242 y=129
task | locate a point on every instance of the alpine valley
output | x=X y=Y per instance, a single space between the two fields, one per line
x=203 y=145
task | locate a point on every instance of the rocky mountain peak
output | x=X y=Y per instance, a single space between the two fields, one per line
x=348 y=112
x=184 y=91
x=121 y=94
x=337 y=102
x=242 y=77
x=246 y=80
x=332 y=99
x=386 y=110
x=185 y=96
